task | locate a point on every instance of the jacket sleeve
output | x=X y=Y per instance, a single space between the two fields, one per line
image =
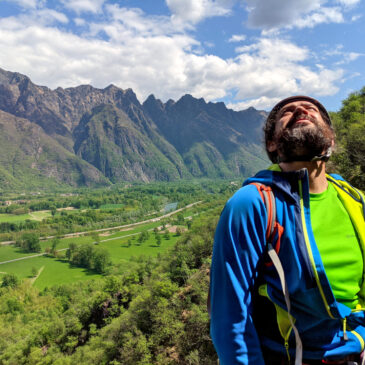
x=239 y=244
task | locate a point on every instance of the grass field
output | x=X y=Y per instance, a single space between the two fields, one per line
x=112 y=206
x=37 y=216
x=57 y=271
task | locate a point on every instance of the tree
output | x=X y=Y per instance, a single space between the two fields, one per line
x=84 y=256
x=34 y=272
x=349 y=122
x=30 y=242
x=158 y=240
x=140 y=238
x=53 y=211
x=71 y=249
x=143 y=236
x=166 y=235
x=180 y=218
x=10 y=280
x=95 y=236
x=101 y=260
x=55 y=243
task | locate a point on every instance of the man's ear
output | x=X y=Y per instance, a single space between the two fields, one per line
x=271 y=146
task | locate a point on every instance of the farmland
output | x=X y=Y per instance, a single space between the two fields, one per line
x=142 y=211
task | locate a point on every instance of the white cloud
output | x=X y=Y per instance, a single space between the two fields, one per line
x=348 y=2
x=209 y=44
x=344 y=57
x=32 y=4
x=323 y=15
x=148 y=54
x=349 y=57
x=277 y=50
x=79 y=21
x=356 y=17
x=49 y=16
x=123 y=23
x=237 y=38
x=41 y=17
x=261 y=103
x=84 y=6
x=194 y=11
x=280 y=14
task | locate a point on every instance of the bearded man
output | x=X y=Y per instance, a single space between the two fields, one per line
x=295 y=294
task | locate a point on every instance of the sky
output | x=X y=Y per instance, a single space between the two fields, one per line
x=242 y=52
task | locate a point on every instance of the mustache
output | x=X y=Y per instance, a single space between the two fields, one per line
x=297 y=117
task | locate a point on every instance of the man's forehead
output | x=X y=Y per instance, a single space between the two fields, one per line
x=301 y=99
x=298 y=103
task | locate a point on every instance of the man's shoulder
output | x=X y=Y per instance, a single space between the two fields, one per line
x=245 y=196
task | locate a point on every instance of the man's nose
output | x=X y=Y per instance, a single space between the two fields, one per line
x=300 y=110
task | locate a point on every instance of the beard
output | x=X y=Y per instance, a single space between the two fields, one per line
x=304 y=142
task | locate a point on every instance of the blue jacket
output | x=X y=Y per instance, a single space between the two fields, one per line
x=247 y=305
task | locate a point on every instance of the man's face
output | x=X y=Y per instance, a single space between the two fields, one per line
x=300 y=131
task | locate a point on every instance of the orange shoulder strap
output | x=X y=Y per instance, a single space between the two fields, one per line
x=268 y=198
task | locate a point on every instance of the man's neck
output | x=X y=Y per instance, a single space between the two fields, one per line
x=316 y=172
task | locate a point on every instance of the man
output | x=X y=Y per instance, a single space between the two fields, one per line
x=319 y=240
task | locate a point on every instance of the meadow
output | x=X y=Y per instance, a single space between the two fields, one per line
x=57 y=270
x=38 y=216
x=112 y=220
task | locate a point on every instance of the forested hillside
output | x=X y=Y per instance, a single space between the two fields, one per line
x=155 y=314
x=349 y=157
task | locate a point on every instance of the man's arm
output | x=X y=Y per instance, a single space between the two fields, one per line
x=238 y=246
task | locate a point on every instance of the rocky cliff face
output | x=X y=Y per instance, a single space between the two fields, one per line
x=111 y=135
x=29 y=158
x=214 y=141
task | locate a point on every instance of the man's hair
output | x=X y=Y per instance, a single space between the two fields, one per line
x=269 y=127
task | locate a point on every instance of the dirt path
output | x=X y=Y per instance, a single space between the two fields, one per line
x=32 y=280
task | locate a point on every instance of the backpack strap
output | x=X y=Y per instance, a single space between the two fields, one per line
x=268 y=198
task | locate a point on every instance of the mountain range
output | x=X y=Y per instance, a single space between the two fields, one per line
x=84 y=136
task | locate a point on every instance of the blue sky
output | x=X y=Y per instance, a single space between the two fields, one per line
x=243 y=52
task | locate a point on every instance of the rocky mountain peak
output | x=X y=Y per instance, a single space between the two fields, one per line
x=111 y=131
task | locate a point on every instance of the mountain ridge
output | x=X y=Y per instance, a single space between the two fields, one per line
x=110 y=131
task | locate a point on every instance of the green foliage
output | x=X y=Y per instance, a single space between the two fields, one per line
x=166 y=234
x=90 y=257
x=34 y=272
x=95 y=236
x=158 y=239
x=154 y=313
x=10 y=280
x=143 y=236
x=349 y=159
x=30 y=242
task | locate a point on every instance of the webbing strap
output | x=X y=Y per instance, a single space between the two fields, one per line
x=279 y=268
x=269 y=200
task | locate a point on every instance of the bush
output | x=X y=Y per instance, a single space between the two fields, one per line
x=10 y=280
